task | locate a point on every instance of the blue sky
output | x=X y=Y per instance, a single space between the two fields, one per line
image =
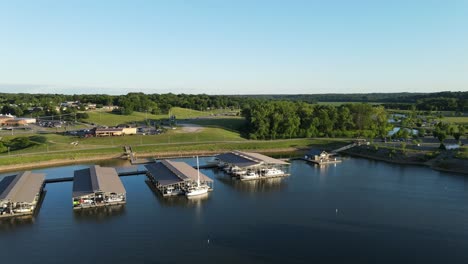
x=233 y=47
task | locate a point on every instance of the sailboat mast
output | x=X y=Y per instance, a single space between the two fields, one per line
x=198 y=173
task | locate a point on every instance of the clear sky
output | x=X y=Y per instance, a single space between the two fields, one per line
x=233 y=47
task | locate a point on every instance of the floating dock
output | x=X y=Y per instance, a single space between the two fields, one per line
x=174 y=178
x=321 y=157
x=20 y=194
x=97 y=186
x=251 y=166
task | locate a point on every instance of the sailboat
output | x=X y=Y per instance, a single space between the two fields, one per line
x=199 y=189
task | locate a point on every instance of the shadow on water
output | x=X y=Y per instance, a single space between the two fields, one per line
x=99 y=214
x=22 y=221
x=180 y=200
x=261 y=185
x=11 y=223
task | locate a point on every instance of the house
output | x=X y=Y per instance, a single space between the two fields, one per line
x=115 y=131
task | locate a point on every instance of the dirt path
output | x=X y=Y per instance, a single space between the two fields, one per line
x=191 y=128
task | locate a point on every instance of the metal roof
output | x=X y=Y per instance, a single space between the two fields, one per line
x=169 y=172
x=236 y=159
x=162 y=174
x=246 y=159
x=95 y=179
x=22 y=187
x=109 y=129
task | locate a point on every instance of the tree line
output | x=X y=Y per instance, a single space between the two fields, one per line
x=283 y=119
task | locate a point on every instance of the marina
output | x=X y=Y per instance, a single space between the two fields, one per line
x=244 y=219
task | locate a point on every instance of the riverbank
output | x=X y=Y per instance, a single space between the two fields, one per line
x=442 y=162
x=156 y=155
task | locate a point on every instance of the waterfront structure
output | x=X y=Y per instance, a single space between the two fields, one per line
x=321 y=157
x=20 y=193
x=97 y=186
x=249 y=165
x=175 y=178
x=117 y=131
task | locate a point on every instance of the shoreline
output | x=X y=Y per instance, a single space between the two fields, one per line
x=156 y=155
x=180 y=154
x=430 y=164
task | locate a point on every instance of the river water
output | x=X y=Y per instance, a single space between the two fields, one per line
x=359 y=211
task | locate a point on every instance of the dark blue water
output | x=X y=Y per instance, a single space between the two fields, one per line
x=359 y=211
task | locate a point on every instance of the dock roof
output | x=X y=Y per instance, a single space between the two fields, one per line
x=169 y=172
x=247 y=159
x=96 y=178
x=22 y=187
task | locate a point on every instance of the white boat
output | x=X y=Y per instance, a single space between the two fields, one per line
x=22 y=210
x=87 y=201
x=249 y=176
x=198 y=189
x=172 y=191
x=239 y=172
x=273 y=172
x=114 y=199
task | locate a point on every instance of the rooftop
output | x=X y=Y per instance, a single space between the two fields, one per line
x=95 y=179
x=246 y=159
x=169 y=172
x=22 y=187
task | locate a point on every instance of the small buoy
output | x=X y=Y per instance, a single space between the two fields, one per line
x=336 y=210
x=208 y=241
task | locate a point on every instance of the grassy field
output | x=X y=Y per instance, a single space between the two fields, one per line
x=231 y=123
x=455 y=119
x=113 y=119
x=342 y=103
x=161 y=148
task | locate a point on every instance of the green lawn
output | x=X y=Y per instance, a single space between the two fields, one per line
x=342 y=103
x=112 y=119
x=230 y=123
x=455 y=119
x=177 y=147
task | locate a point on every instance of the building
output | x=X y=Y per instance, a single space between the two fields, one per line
x=27 y=120
x=110 y=107
x=97 y=186
x=70 y=104
x=20 y=193
x=5 y=118
x=248 y=165
x=15 y=122
x=174 y=178
x=115 y=131
x=321 y=157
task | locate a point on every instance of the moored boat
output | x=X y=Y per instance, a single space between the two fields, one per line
x=249 y=176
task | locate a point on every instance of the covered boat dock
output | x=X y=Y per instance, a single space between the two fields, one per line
x=97 y=186
x=174 y=178
x=239 y=164
x=20 y=193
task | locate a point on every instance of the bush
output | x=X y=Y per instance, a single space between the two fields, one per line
x=82 y=116
x=38 y=139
